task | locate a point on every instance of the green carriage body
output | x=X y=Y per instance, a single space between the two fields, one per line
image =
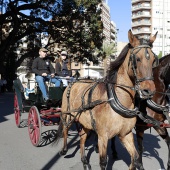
x=23 y=104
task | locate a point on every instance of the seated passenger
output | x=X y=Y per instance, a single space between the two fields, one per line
x=62 y=68
x=44 y=71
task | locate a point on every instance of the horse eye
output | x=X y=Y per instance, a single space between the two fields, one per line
x=138 y=59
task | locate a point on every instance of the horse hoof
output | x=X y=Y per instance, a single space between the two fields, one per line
x=87 y=167
x=96 y=149
x=62 y=152
x=114 y=156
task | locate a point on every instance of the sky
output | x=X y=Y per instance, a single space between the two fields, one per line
x=120 y=11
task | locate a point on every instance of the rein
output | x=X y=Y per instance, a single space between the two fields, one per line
x=166 y=93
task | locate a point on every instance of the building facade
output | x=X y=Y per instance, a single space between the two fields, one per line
x=148 y=17
x=109 y=27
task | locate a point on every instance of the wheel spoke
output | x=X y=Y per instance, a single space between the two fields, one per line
x=17 y=111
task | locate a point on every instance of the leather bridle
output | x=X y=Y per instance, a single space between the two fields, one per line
x=133 y=61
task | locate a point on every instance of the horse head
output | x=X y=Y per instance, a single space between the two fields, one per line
x=140 y=64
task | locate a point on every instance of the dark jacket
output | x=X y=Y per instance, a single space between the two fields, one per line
x=62 y=70
x=42 y=65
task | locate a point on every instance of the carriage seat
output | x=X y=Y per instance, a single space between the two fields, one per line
x=28 y=83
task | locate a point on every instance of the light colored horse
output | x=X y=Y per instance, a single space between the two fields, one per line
x=107 y=106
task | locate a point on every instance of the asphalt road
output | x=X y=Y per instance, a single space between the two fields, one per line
x=17 y=152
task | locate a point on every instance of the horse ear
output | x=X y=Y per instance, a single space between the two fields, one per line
x=132 y=38
x=152 y=39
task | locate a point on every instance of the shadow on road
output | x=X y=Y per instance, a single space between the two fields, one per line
x=6 y=105
x=150 y=145
x=47 y=137
x=151 y=142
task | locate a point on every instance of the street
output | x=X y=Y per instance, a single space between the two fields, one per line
x=17 y=152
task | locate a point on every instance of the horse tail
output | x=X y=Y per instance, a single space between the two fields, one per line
x=59 y=134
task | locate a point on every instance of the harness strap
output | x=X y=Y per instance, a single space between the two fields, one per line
x=89 y=106
x=125 y=112
x=114 y=103
x=149 y=120
x=159 y=108
x=93 y=123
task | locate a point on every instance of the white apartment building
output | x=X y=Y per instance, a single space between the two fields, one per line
x=150 y=16
x=113 y=33
x=105 y=16
x=109 y=27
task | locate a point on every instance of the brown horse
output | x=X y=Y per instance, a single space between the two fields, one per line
x=107 y=105
x=162 y=81
x=161 y=78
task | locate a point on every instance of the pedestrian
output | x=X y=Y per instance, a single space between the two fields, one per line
x=3 y=84
x=63 y=68
x=44 y=71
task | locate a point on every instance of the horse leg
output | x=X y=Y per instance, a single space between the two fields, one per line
x=128 y=142
x=96 y=148
x=113 y=147
x=83 y=136
x=102 y=145
x=65 y=135
x=139 y=136
x=165 y=136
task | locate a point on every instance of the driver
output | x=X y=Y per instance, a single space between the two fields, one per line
x=44 y=71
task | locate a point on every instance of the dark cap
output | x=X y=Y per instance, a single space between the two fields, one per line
x=43 y=49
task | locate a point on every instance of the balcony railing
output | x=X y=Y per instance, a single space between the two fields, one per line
x=136 y=32
x=141 y=24
x=140 y=8
x=135 y=1
x=141 y=16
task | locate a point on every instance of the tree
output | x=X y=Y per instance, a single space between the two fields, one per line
x=74 y=23
x=160 y=54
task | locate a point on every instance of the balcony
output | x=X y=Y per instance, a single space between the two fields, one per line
x=141 y=8
x=113 y=36
x=143 y=23
x=136 y=1
x=138 y=32
x=141 y=16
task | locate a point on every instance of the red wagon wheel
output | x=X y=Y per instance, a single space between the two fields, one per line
x=34 y=125
x=17 y=111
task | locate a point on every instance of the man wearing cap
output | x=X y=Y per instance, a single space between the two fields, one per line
x=44 y=71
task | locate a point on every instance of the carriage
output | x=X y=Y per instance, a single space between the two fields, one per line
x=40 y=113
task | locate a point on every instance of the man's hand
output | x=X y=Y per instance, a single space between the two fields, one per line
x=44 y=74
x=67 y=77
x=52 y=75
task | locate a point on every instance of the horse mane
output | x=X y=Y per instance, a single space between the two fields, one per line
x=164 y=57
x=164 y=68
x=114 y=65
